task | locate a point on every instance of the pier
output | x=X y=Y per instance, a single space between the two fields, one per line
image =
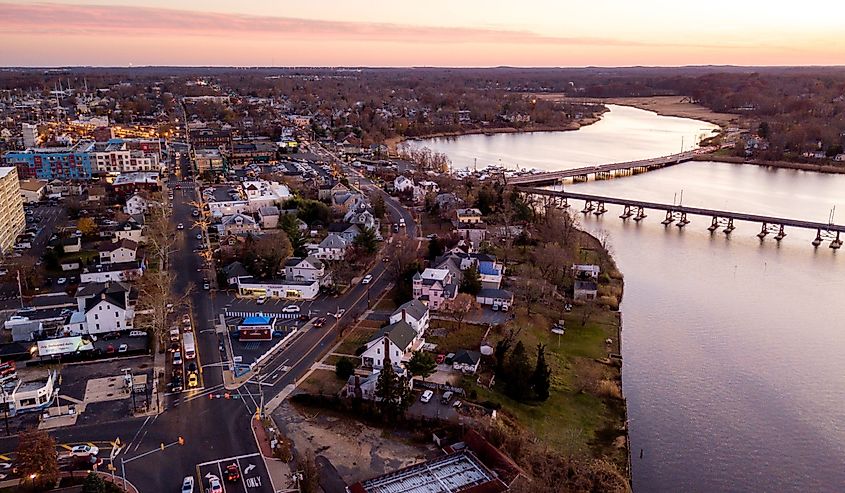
x=604 y=171
x=678 y=214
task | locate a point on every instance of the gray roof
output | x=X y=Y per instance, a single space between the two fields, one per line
x=399 y=333
x=268 y=210
x=414 y=308
x=466 y=357
x=235 y=269
x=495 y=293
x=333 y=241
x=586 y=285
x=22 y=332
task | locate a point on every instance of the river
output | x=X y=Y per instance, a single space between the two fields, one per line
x=732 y=347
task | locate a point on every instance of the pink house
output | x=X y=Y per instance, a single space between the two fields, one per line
x=434 y=287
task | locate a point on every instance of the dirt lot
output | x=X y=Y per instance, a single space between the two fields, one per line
x=356 y=450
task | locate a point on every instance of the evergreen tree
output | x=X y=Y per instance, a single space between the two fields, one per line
x=392 y=394
x=344 y=368
x=366 y=241
x=470 y=280
x=421 y=364
x=290 y=225
x=378 y=206
x=541 y=378
x=518 y=374
x=501 y=353
x=93 y=484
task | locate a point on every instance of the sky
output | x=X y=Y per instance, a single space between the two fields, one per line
x=465 y=33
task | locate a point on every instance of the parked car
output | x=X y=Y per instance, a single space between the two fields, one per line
x=123 y=348
x=214 y=485
x=110 y=349
x=137 y=333
x=457 y=404
x=261 y=300
x=193 y=380
x=61 y=280
x=111 y=336
x=233 y=473
x=367 y=279
x=177 y=357
x=440 y=358
x=291 y=309
x=426 y=396
x=447 y=396
x=84 y=450
x=188 y=484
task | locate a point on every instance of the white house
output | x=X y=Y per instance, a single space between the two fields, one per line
x=118 y=251
x=136 y=205
x=102 y=307
x=304 y=269
x=397 y=339
x=116 y=271
x=269 y=216
x=237 y=224
x=414 y=312
x=333 y=247
x=129 y=230
x=403 y=184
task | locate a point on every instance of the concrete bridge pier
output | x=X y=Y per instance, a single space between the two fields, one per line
x=683 y=221
x=781 y=234
x=837 y=243
x=763 y=232
x=714 y=224
x=730 y=227
x=588 y=206
x=818 y=240
x=640 y=214
x=670 y=218
x=601 y=209
x=626 y=213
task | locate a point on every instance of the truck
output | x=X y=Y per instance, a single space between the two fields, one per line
x=188 y=345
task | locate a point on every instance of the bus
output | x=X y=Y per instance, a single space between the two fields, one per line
x=188 y=345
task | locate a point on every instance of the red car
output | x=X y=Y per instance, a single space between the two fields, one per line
x=440 y=359
x=320 y=322
x=233 y=473
x=110 y=349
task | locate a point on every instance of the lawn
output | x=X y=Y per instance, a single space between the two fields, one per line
x=321 y=382
x=467 y=337
x=584 y=411
x=355 y=339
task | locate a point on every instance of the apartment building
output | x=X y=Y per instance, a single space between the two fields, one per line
x=12 y=219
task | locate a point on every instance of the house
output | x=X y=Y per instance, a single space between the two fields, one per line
x=585 y=290
x=584 y=271
x=362 y=387
x=234 y=272
x=71 y=263
x=466 y=361
x=435 y=286
x=119 y=251
x=72 y=244
x=238 y=224
x=414 y=312
x=136 y=204
x=33 y=190
x=129 y=230
x=102 y=307
x=304 y=269
x=116 y=271
x=489 y=269
x=403 y=184
x=327 y=192
x=495 y=298
x=268 y=216
x=345 y=230
x=333 y=247
x=398 y=340
x=468 y=216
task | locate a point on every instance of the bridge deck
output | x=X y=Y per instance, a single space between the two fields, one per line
x=604 y=168
x=698 y=211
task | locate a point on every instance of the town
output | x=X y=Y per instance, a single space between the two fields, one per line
x=193 y=272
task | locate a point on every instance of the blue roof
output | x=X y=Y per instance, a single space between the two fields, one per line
x=256 y=320
x=488 y=268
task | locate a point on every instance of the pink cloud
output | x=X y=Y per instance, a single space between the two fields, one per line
x=80 y=20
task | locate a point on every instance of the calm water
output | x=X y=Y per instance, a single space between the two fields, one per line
x=733 y=347
x=623 y=134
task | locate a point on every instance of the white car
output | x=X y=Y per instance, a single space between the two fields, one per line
x=180 y=226
x=261 y=300
x=291 y=309
x=84 y=450
x=61 y=281
x=367 y=279
x=199 y=236
x=426 y=396
x=214 y=485
x=188 y=484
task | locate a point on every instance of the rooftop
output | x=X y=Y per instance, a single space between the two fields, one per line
x=452 y=473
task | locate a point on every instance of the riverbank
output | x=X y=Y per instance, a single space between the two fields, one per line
x=393 y=142
x=819 y=168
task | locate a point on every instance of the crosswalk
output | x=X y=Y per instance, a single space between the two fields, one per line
x=230 y=313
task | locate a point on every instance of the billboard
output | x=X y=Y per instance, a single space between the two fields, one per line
x=64 y=345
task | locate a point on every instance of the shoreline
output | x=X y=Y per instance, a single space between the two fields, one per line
x=393 y=142
x=817 y=168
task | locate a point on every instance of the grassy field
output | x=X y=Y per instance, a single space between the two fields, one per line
x=585 y=411
x=321 y=382
x=355 y=339
x=468 y=337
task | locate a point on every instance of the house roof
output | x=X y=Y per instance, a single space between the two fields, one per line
x=495 y=293
x=122 y=243
x=268 y=210
x=256 y=320
x=235 y=269
x=333 y=241
x=95 y=288
x=414 y=308
x=295 y=261
x=401 y=334
x=586 y=285
x=466 y=357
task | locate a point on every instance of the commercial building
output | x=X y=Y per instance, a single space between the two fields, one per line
x=12 y=219
x=291 y=290
x=33 y=190
x=46 y=163
x=34 y=395
x=209 y=160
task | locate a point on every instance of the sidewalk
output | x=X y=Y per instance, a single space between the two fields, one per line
x=279 y=471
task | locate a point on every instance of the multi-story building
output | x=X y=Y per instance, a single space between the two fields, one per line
x=210 y=138
x=47 y=163
x=12 y=219
x=30 y=134
x=209 y=160
x=122 y=156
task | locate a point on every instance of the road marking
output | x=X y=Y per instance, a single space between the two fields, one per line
x=234 y=458
x=65 y=446
x=5 y=458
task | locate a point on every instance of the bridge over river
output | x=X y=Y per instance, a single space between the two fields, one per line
x=676 y=213
x=604 y=171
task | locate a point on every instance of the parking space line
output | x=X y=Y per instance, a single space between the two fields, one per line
x=243 y=481
x=5 y=458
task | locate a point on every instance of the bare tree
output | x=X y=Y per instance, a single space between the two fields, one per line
x=155 y=294
x=460 y=307
x=310 y=473
x=161 y=239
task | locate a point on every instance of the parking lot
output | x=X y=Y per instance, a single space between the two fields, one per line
x=253 y=475
x=434 y=409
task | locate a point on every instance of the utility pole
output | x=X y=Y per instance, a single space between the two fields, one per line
x=5 y=411
x=20 y=290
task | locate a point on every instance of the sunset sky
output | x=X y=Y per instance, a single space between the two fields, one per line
x=435 y=32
